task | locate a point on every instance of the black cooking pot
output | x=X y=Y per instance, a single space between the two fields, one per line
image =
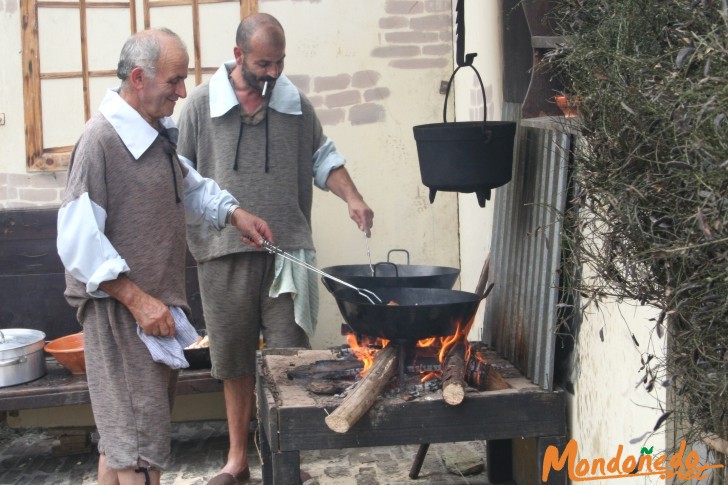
x=391 y=275
x=419 y=313
x=465 y=156
x=199 y=358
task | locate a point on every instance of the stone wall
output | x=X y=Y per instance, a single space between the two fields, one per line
x=31 y=190
x=412 y=35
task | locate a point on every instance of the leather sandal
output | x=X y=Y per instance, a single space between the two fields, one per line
x=230 y=479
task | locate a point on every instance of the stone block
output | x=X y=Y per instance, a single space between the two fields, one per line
x=404 y=7
x=365 y=79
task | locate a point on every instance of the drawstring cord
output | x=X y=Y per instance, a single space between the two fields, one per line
x=240 y=136
x=174 y=179
x=170 y=149
x=237 y=145
x=145 y=471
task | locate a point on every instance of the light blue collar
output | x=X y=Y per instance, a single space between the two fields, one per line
x=134 y=131
x=285 y=98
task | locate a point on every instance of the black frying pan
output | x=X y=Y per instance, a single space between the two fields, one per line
x=420 y=313
x=391 y=275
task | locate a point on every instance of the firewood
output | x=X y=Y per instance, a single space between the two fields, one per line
x=362 y=398
x=482 y=376
x=454 y=370
x=453 y=375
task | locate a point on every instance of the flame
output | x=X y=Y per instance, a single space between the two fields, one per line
x=446 y=345
x=366 y=350
x=430 y=375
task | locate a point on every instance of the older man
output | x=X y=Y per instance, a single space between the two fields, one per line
x=121 y=237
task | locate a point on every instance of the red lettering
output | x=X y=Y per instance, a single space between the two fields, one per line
x=641 y=463
x=598 y=462
x=582 y=468
x=692 y=460
x=676 y=459
x=613 y=464
x=551 y=459
x=629 y=464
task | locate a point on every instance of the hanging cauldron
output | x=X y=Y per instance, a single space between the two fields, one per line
x=470 y=156
x=465 y=156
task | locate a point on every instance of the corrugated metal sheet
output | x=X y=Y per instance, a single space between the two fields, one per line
x=520 y=314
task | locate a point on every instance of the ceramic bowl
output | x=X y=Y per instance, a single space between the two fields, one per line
x=68 y=351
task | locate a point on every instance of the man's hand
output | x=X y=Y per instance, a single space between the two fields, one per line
x=360 y=213
x=340 y=183
x=254 y=229
x=152 y=315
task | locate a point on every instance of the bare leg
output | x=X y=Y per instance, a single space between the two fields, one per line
x=239 y=397
x=109 y=476
x=130 y=477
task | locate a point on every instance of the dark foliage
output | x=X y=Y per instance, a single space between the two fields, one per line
x=649 y=220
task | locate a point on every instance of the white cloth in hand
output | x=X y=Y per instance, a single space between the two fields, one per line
x=170 y=350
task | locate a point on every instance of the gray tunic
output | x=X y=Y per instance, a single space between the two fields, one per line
x=282 y=195
x=131 y=395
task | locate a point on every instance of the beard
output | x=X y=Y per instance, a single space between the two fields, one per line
x=257 y=82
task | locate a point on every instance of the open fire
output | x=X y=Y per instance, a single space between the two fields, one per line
x=459 y=365
x=365 y=349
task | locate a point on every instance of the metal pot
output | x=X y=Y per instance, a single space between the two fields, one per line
x=21 y=356
x=465 y=156
x=419 y=313
x=391 y=275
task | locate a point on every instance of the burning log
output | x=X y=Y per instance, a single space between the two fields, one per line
x=453 y=375
x=453 y=365
x=481 y=375
x=358 y=402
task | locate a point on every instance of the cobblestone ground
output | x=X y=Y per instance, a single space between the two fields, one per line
x=199 y=449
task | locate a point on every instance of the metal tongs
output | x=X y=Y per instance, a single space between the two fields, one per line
x=272 y=248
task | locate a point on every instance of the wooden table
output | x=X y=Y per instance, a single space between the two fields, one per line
x=61 y=388
x=291 y=419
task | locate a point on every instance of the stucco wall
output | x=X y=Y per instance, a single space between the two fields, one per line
x=610 y=405
x=372 y=69
x=483 y=37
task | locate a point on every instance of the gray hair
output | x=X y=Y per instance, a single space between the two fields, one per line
x=142 y=50
x=250 y=25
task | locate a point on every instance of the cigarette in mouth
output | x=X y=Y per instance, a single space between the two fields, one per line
x=265 y=87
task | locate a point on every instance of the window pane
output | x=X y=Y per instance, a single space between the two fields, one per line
x=218 y=24
x=63 y=114
x=59 y=40
x=179 y=20
x=97 y=90
x=108 y=29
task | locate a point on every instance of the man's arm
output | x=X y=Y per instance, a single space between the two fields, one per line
x=207 y=204
x=151 y=314
x=340 y=183
x=90 y=257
